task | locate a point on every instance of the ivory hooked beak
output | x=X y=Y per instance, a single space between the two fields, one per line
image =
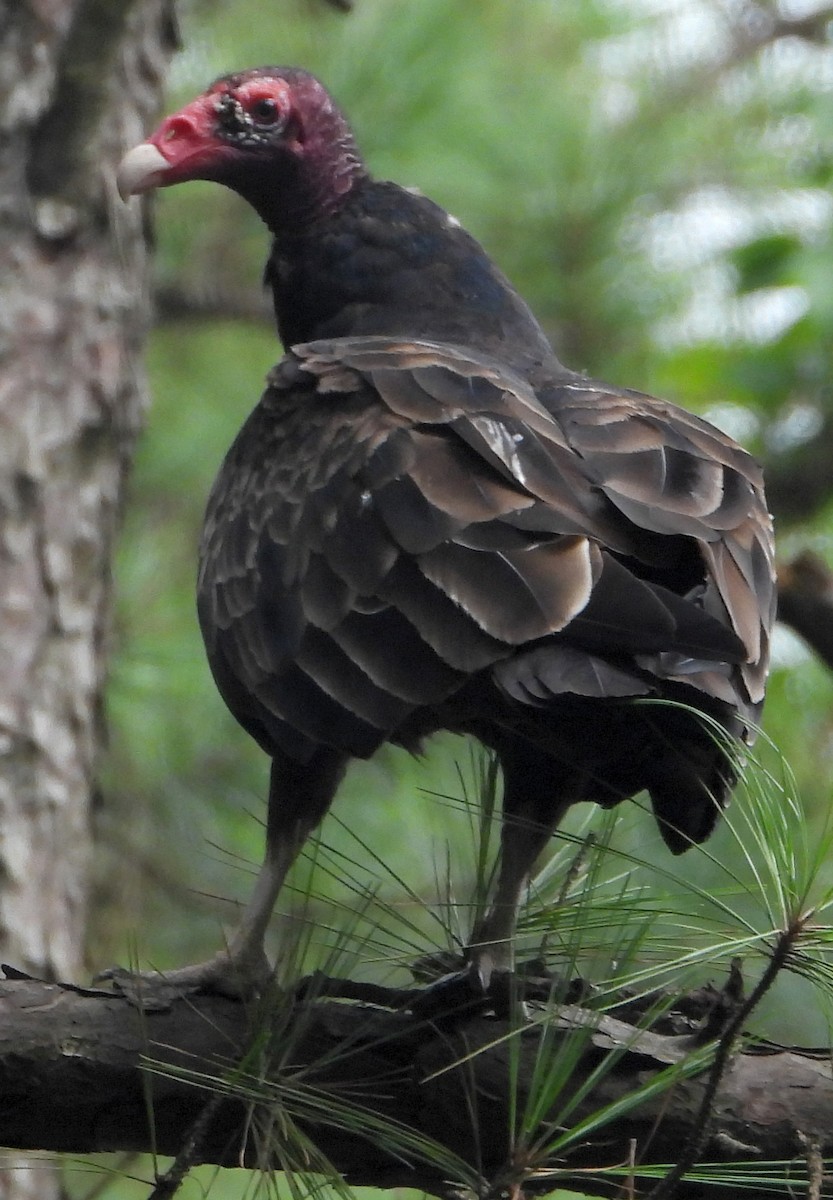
x=141 y=169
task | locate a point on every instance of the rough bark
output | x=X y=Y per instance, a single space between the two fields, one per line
x=75 y=1064
x=79 y=80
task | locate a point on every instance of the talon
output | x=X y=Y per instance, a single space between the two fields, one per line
x=222 y=975
x=448 y=1000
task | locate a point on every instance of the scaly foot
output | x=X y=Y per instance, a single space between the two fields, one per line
x=223 y=975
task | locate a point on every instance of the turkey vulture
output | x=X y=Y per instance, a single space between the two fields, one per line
x=429 y=523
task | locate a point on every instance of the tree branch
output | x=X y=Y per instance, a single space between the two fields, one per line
x=805 y=602
x=78 y=1067
x=172 y=302
x=798 y=482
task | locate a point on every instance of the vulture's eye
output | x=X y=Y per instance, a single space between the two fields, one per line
x=265 y=111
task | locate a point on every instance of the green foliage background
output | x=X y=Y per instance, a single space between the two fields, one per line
x=655 y=178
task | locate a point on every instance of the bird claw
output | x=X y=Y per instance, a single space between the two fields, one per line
x=157 y=991
x=449 y=999
x=476 y=989
x=506 y=996
x=148 y=992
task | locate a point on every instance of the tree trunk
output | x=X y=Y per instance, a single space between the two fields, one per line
x=79 y=80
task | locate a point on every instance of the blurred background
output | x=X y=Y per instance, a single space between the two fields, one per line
x=654 y=176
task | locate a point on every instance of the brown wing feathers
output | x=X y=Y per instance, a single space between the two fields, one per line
x=700 y=484
x=420 y=516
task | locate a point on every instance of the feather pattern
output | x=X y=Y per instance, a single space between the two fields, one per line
x=412 y=502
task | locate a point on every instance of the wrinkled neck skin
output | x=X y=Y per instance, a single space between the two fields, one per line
x=382 y=260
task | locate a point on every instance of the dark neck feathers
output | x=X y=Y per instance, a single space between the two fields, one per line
x=391 y=262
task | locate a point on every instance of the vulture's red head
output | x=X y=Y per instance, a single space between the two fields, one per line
x=272 y=134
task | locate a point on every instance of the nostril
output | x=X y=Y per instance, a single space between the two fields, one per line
x=179 y=127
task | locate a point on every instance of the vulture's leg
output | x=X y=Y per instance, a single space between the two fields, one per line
x=299 y=796
x=533 y=805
